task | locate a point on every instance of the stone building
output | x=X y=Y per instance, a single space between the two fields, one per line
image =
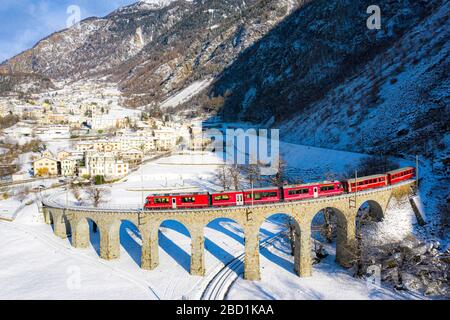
x=46 y=166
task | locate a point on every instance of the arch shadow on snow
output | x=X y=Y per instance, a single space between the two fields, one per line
x=217 y=251
x=131 y=240
x=94 y=237
x=171 y=248
x=278 y=219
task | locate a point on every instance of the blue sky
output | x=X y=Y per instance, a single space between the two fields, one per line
x=25 y=22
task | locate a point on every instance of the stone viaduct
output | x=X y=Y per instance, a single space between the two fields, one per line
x=74 y=221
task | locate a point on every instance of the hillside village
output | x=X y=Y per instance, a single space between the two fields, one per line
x=81 y=137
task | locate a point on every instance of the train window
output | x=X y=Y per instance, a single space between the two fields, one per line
x=161 y=200
x=326 y=188
x=299 y=191
x=188 y=199
x=268 y=194
x=249 y=196
x=221 y=197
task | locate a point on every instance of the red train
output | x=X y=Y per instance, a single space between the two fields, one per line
x=274 y=194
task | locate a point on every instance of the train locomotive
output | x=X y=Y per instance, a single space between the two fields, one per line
x=275 y=194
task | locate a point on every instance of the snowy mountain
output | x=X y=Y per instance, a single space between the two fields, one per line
x=154 y=48
x=324 y=79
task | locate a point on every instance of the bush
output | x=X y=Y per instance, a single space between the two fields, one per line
x=99 y=180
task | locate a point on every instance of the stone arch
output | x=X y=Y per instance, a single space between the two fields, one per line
x=376 y=210
x=157 y=239
x=239 y=238
x=345 y=233
x=109 y=238
x=290 y=225
x=80 y=232
x=84 y=231
x=130 y=238
x=60 y=223
x=237 y=234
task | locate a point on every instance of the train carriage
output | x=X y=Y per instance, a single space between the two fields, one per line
x=364 y=183
x=312 y=190
x=177 y=201
x=401 y=174
x=228 y=198
x=257 y=196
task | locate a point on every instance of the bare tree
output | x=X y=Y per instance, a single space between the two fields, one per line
x=75 y=189
x=96 y=195
x=290 y=226
x=252 y=173
x=222 y=174
x=329 y=224
x=22 y=193
x=280 y=177
x=234 y=172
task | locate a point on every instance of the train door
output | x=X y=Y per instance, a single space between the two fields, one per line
x=240 y=199
x=316 y=192
x=174 y=202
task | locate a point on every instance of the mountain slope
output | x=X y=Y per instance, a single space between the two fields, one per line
x=96 y=44
x=309 y=53
x=154 y=48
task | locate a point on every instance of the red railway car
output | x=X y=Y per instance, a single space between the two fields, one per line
x=401 y=174
x=257 y=196
x=312 y=190
x=227 y=198
x=364 y=183
x=175 y=201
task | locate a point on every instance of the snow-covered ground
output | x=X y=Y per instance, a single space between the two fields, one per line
x=35 y=264
x=186 y=94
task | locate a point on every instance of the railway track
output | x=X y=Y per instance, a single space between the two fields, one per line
x=218 y=287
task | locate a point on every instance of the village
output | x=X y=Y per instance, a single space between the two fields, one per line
x=62 y=133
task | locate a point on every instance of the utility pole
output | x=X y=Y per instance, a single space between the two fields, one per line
x=142 y=185
x=356 y=188
x=253 y=194
x=417 y=171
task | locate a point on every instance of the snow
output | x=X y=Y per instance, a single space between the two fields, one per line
x=186 y=94
x=329 y=280
x=396 y=225
x=36 y=264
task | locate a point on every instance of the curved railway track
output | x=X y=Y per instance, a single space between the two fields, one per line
x=218 y=287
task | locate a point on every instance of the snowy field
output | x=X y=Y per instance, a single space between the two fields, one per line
x=35 y=264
